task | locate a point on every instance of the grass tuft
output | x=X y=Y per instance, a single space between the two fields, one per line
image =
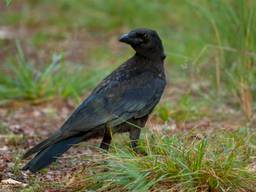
x=182 y=162
x=233 y=27
x=24 y=81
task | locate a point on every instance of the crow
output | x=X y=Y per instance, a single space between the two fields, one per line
x=122 y=102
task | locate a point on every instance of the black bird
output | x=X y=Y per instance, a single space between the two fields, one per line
x=120 y=103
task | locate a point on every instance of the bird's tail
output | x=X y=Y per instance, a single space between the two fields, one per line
x=44 y=144
x=49 y=154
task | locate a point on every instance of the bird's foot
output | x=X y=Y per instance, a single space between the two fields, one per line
x=104 y=146
x=140 y=151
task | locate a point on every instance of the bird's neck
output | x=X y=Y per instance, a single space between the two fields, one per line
x=153 y=63
x=153 y=57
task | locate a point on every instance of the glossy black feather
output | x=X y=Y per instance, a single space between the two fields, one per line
x=50 y=154
x=129 y=93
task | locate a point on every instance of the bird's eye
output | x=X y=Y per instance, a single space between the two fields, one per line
x=143 y=38
x=146 y=36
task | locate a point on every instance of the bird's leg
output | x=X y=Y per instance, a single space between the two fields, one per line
x=135 y=130
x=106 y=139
x=134 y=136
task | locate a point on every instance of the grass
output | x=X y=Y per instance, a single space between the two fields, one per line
x=233 y=27
x=186 y=108
x=223 y=161
x=23 y=81
x=4 y=129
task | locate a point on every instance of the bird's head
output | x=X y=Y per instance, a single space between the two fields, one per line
x=145 y=42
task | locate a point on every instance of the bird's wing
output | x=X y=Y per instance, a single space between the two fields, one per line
x=116 y=102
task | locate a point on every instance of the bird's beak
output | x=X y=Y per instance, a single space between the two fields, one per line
x=125 y=38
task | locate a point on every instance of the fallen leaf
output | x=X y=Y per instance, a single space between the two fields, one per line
x=13 y=182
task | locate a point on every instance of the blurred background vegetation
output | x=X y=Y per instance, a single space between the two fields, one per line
x=59 y=50
x=210 y=46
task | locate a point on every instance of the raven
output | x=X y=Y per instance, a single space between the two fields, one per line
x=120 y=103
